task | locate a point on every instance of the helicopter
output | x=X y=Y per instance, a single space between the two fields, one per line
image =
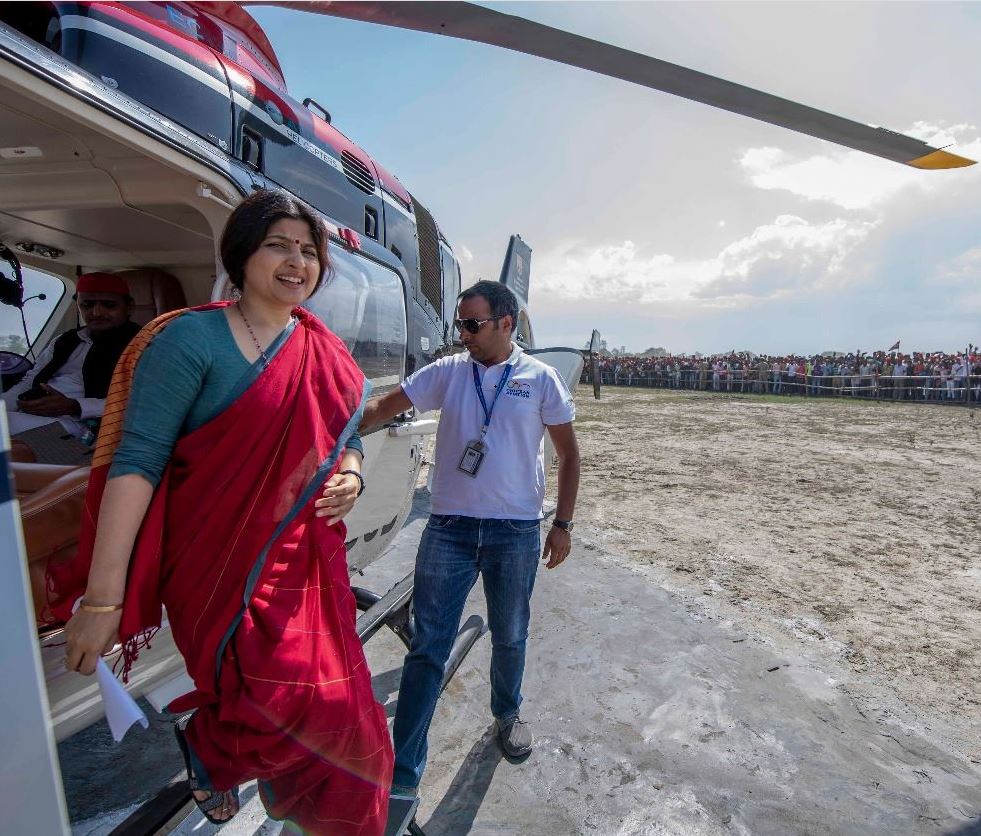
x=131 y=130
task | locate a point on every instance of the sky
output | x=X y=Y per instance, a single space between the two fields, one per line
x=663 y=222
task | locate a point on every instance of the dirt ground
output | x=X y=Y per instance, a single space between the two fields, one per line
x=850 y=529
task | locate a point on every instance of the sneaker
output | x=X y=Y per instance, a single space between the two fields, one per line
x=515 y=737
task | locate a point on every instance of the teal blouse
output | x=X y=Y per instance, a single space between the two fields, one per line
x=190 y=373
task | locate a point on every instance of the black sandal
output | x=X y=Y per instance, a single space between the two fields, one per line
x=216 y=798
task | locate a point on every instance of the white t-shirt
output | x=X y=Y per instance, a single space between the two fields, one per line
x=510 y=483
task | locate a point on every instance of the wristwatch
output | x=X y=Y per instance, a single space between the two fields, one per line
x=565 y=525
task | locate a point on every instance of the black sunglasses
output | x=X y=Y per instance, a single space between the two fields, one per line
x=472 y=326
x=108 y=304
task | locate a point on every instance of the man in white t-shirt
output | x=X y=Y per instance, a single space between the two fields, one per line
x=488 y=489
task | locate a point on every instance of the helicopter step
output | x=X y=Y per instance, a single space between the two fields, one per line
x=393 y=610
x=401 y=816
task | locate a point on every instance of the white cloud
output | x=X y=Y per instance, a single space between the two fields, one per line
x=787 y=254
x=851 y=180
x=854 y=180
x=465 y=254
x=964 y=270
x=940 y=136
x=577 y=270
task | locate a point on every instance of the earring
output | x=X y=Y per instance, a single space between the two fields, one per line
x=236 y=294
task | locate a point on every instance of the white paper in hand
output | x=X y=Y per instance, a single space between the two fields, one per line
x=121 y=709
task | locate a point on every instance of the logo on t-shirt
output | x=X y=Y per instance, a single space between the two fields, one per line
x=517 y=389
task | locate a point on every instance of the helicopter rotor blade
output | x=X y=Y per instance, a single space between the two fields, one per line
x=471 y=22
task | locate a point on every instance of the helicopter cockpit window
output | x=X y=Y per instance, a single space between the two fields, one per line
x=364 y=305
x=42 y=293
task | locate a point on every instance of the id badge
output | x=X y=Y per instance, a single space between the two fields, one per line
x=472 y=458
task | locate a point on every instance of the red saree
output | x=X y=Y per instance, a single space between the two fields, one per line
x=257 y=592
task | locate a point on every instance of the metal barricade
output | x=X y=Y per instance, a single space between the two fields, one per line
x=925 y=387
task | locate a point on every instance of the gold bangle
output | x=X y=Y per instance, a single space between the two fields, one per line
x=90 y=608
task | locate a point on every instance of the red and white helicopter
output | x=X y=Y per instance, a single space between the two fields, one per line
x=129 y=131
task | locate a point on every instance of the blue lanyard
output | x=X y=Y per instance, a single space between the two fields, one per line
x=480 y=394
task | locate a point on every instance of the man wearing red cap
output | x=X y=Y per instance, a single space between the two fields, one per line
x=70 y=381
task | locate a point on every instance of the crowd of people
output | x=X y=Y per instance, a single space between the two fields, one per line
x=918 y=376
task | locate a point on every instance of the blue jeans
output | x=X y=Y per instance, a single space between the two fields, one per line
x=452 y=552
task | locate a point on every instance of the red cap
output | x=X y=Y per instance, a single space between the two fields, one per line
x=102 y=283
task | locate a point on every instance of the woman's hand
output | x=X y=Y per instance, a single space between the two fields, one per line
x=90 y=635
x=340 y=493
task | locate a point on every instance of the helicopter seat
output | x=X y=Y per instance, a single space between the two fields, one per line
x=21 y=452
x=154 y=292
x=51 y=498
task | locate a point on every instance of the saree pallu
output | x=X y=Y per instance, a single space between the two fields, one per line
x=258 y=598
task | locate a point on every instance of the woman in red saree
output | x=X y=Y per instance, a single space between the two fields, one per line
x=238 y=534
